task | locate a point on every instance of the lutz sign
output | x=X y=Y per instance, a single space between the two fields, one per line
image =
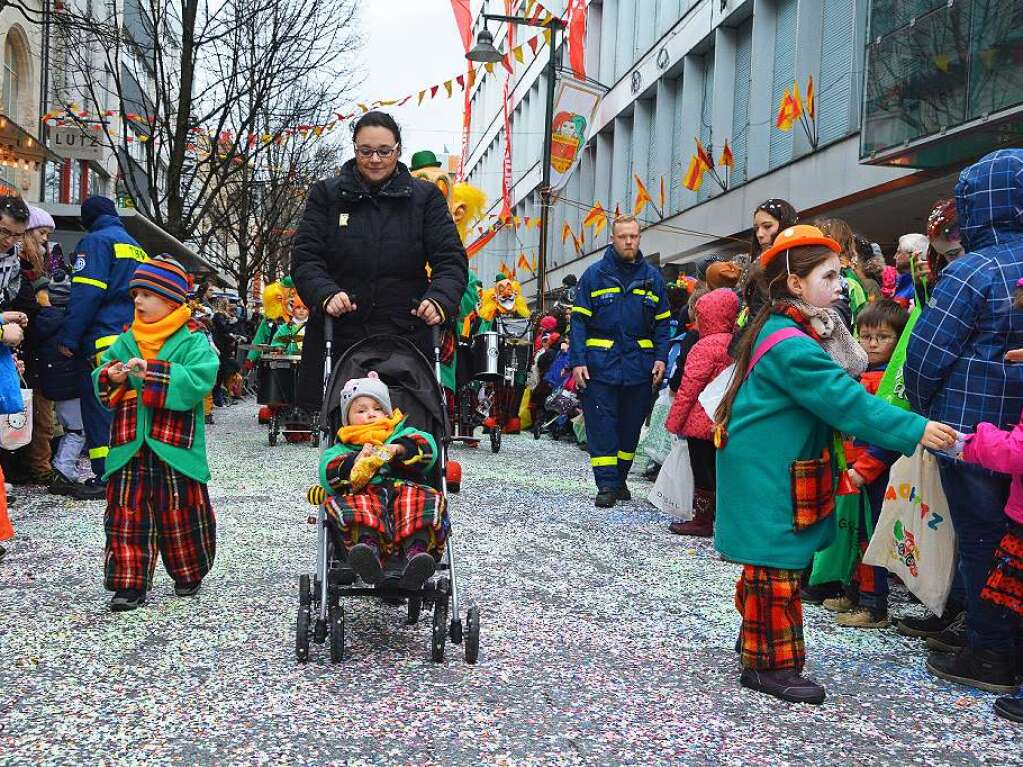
x=72 y=143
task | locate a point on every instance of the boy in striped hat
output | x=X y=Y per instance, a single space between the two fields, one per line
x=155 y=377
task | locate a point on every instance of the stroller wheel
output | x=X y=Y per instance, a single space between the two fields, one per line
x=273 y=430
x=440 y=627
x=314 y=438
x=336 y=617
x=495 y=439
x=304 y=617
x=472 y=634
x=415 y=606
x=537 y=428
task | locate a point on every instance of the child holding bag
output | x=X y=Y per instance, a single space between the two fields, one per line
x=795 y=385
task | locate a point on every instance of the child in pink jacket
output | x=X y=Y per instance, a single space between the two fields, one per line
x=715 y=320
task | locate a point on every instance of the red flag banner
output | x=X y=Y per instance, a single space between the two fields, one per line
x=811 y=108
x=480 y=242
x=694 y=175
x=463 y=18
x=704 y=155
x=577 y=38
x=661 y=197
x=506 y=169
x=727 y=158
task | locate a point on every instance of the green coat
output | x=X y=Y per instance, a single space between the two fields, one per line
x=173 y=391
x=465 y=307
x=285 y=337
x=786 y=411
x=400 y=432
x=263 y=336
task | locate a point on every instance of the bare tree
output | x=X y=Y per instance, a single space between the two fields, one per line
x=254 y=215
x=196 y=93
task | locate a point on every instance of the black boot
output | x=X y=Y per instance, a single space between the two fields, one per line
x=931 y=625
x=622 y=493
x=127 y=599
x=990 y=670
x=952 y=638
x=1011 y=706
x=606 y=497
x=786 y=684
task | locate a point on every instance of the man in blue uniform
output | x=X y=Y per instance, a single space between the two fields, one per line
x=619 y=347
x=100 y=309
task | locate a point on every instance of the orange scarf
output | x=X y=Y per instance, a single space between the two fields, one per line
x=374 y=433
x=150 y=336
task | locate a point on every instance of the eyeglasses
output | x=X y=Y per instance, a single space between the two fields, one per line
x=9 y=235
x=383 y=152
x=880 y=340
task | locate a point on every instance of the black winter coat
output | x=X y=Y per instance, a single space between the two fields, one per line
x=375 y=246
x=58 y=377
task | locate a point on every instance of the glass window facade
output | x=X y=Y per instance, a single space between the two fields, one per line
x=931 y=69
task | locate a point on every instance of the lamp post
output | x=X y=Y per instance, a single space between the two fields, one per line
x=485 y=52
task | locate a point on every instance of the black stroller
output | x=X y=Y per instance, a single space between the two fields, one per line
x=415 y=388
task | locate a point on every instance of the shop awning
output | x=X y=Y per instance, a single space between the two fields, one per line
x=150 y=236
x=19 y=148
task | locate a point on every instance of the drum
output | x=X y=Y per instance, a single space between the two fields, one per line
x=515 y=356
x=463 y=364
x=276 y=382
x=486 y=354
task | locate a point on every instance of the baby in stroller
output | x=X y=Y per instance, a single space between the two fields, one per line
x=380 y=504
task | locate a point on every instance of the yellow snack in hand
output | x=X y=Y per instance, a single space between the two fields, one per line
x=366 y=466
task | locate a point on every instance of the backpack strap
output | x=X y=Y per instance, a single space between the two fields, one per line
x=770 y=342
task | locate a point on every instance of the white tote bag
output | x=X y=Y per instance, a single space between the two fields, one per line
x=714 y=392
x=914 y=537
x=673 y=491
x=16 y=428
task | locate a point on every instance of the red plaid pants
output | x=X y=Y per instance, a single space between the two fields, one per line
x=154 y=510
x=396 y=511
x=772 y=618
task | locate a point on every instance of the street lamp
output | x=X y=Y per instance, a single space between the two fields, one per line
x=485 y=52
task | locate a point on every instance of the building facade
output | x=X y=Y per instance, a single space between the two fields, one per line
x=716 y=70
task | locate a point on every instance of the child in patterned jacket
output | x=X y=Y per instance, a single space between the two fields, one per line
x=155 y=377
x=379 y=504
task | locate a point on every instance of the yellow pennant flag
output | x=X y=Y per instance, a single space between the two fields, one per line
x=693 y=179
x=518 y=54
x=643 y=197
x=422 y=95
x=547 y=35
x=447 y=87
x=489 y=66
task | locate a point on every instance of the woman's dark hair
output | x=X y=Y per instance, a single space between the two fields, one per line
x=782 y=212
x=773 y=283
x=377 y=119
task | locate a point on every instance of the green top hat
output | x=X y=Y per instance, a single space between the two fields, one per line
x=287 y=281
x=424 y=159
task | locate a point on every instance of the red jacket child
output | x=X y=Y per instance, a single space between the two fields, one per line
x=715 y=318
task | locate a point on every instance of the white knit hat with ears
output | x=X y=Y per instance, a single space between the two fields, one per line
x=370 y=386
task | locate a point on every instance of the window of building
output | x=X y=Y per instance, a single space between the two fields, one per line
x=12 y=78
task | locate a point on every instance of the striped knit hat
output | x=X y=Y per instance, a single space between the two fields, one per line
x=164 y=276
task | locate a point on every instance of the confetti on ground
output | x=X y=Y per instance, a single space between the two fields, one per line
x=605 y=641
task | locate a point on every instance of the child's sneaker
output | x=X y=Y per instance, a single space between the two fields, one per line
x=840 y=604
x=364 y=559
x=419 y=566
x=187 y=589
x=127 y=599
x=1011 y=706
x=863 y=618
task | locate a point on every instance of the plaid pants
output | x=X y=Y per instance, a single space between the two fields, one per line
x=396 y=511
x=772 y=618
x=153 y=509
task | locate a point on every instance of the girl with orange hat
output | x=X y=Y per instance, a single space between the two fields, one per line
x=794 y=388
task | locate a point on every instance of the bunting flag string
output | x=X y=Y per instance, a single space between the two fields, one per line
x=99 y=120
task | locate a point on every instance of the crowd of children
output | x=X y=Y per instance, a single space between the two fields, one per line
x=815 y=310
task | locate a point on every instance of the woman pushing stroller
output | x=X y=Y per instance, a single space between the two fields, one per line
x=380 y=504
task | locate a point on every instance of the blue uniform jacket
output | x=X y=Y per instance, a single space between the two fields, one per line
x=100 y=308
x=620 y=321
x=955 y=370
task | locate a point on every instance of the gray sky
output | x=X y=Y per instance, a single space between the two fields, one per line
x=410 y=45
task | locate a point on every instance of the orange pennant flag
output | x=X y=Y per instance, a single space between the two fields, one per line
x=704 y=155
x=566 y=232
x=577 y=241
x=694 y=175
x=727 y=158
x=811 y=107
x=661 y=196
x=524 y=262
x=643 y=197
x=596 y=218
x=786 y=116
x=618 y=210
x=797 y=101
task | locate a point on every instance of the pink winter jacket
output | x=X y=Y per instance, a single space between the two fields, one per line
x=716 y=314
x=1000 y=451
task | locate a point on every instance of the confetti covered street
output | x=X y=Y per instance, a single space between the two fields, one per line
x=605 y=641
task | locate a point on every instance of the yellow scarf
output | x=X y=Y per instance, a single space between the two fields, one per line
x=370 y=433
